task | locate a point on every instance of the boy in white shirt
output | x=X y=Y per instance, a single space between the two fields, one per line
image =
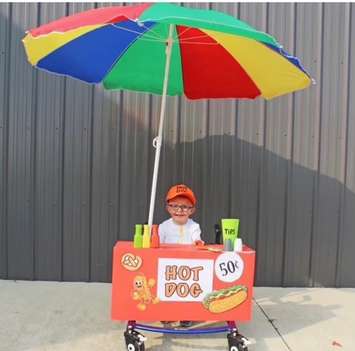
x=180 y=228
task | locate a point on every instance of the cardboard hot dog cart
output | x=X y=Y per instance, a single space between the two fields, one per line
x=182 y=282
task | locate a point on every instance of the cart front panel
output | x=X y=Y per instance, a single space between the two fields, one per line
x=181 y=282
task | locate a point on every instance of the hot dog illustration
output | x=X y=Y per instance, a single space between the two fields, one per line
x=223 y=300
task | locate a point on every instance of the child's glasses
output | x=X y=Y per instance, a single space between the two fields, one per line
x=182 y=208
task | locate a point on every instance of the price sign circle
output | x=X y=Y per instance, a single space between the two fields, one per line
x=229 y=267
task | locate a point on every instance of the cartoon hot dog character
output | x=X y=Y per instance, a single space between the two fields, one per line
x=223 y=300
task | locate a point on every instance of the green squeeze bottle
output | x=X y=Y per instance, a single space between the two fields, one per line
x=138 y=238
x=146 y=237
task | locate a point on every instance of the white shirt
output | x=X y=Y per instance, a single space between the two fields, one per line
x=173 y=233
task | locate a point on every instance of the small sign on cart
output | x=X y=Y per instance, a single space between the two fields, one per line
x=184 y=279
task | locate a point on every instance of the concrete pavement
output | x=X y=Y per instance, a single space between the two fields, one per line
x=50 y=316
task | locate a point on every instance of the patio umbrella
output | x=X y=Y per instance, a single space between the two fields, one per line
x=166 y=49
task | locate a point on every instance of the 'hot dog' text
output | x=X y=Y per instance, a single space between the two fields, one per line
x=183 y=273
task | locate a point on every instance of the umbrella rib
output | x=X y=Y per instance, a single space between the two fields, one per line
x=184 y=31
x=186 y=40
x=197 y=37
x=153 y=38
x=272 y=40
x=158 y=36
x=196 y=42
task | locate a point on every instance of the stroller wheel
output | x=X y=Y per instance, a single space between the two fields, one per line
x=135 y=347
x=238 y=348
x=237 y=342
x=134 y=340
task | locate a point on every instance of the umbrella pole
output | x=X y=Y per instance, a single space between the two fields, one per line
x=158 y=140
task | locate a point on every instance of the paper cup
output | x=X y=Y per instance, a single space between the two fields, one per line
x=238 y=245
x=230 y=227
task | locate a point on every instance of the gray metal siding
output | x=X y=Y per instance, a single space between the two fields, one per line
x=303 y=166
x=48 y=175
x=22 y=88
x=4 y=62
x=331 y=144
x=345 y=271
x=77 y=161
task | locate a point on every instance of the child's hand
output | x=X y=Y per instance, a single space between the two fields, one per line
x=199 y=242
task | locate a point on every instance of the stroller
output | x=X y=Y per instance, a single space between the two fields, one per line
x=156 y=284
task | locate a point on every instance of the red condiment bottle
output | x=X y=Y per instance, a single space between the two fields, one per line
x=154 y=239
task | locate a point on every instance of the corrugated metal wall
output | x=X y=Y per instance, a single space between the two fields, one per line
x=76 y=161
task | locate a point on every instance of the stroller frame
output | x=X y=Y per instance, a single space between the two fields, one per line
x=135 y=340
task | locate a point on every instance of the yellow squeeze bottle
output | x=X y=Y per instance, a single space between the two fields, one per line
x=146 y=236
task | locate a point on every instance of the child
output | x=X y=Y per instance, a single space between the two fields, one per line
x=180 y=228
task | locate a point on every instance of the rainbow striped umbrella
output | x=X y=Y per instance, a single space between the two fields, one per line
x=166 y=49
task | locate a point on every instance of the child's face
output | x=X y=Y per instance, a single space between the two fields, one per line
x=180 y=209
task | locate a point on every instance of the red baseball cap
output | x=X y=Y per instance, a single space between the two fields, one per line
x=181 y=190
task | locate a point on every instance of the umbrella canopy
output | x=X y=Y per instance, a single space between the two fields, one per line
x=169 y=50
x=213 y=55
